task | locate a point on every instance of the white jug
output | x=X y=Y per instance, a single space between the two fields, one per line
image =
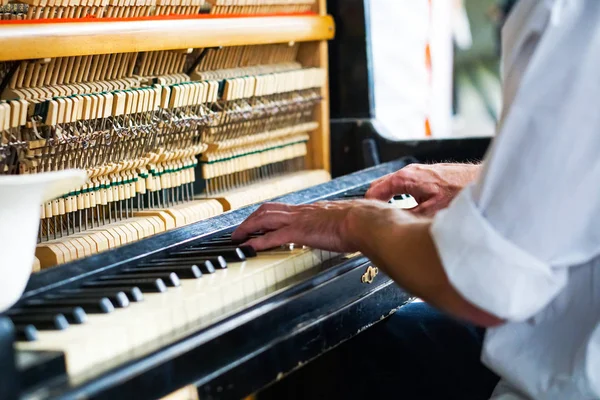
x=20 y=200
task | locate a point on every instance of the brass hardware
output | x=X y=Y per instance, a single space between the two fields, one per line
x=370 y=274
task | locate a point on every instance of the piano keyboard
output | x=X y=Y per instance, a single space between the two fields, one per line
x=132 y=305
x=121 y=316
x=98 y=324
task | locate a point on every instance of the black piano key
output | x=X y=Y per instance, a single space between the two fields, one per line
x=118 y=299
x=230 y=254
x=145 y=285
x=205 y=266
x=218 y=242
x=100 y=306
x=74 y=315
x=247 y=250
x=228 y=235
x=169 y=278
x=217 y=262
x=43 y=321
x=186 y=272
x=26 y=333
x=133 y=293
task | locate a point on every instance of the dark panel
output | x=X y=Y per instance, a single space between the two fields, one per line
x=349 y=58
x=347 y=138
x=311 y=340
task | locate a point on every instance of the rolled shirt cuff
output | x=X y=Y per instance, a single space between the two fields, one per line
x=486 y=268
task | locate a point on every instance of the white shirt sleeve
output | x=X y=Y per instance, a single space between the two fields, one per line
x=507 y=240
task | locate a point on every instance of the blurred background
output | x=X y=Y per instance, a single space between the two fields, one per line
x=442 y=79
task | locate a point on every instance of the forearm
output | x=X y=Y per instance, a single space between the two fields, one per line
x=462 y=173
x=406 y=252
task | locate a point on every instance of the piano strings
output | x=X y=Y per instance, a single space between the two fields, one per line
x=167 y=137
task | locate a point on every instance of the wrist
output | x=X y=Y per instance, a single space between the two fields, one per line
x=365 y=223
x=459 y=175
x=351 y=227
x=472 y=172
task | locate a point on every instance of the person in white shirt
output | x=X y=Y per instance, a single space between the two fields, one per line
x=512 y=245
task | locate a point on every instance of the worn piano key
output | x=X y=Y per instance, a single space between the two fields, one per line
x=217 y=262
x=227 y=237
x=187 y=272
x=404 y=201
x=208 y=266
x=27 y=332
x=169 y=278
x=145 y=285
x=102 y=306
x=205 y=266
x=42 y=321
x=133 y=293
x=228 y=253
x=248 y=251
x=219 y=242
x=75 y=315
x=117 y=298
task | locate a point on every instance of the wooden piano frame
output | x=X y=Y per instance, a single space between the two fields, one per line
x=259 y=345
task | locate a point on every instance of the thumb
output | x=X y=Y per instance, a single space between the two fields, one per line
x=386 y=188
x=427 y=208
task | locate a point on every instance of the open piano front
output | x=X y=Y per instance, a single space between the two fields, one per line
x=185 y=115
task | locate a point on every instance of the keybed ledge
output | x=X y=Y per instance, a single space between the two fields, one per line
x=22 y=41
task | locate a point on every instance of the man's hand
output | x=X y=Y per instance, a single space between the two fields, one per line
x=432 y=186
x=396 y=241
x=323 y=225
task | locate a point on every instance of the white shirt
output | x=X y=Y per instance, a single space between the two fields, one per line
x=523 y=243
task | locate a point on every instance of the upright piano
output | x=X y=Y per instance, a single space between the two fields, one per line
x=186 y=115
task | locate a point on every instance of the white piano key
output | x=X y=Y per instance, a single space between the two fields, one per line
x=107 y=340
